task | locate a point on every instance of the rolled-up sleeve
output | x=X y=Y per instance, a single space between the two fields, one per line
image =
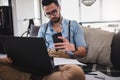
x=79 y=37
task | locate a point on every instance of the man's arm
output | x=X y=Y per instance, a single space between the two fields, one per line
x=4 y=58
x=67 y=46
x=81 y=51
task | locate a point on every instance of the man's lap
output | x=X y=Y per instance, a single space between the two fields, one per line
x=8 y=72
x=65 y=72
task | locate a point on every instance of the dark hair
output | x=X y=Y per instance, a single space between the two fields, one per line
x=48 y=2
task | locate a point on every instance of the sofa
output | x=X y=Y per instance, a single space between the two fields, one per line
x=103 y=51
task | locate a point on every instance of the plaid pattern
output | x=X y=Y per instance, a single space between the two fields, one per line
x=108 y=70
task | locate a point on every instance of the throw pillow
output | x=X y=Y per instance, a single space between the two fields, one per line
x=99 y=46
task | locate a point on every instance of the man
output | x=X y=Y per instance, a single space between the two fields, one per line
x=76 y=46
x=72 y=36
x=56 y=24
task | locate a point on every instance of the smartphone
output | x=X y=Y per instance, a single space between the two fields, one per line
x=55 y=37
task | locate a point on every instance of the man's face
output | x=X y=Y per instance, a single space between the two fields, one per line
x=53 y=12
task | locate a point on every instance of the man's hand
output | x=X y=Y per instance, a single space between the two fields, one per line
x=65 y=45
x=8 y=60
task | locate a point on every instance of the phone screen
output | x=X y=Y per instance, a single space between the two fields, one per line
x=55 y=37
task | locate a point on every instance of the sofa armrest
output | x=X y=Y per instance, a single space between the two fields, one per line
x=115 y=50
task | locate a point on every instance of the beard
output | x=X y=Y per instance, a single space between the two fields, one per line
x=55 y=20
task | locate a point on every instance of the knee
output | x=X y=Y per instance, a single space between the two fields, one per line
x=72 y=72
x=67 y=72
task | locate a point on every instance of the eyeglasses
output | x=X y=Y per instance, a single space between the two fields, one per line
x=54 y=13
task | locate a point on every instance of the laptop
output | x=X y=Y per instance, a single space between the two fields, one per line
x=28 y=53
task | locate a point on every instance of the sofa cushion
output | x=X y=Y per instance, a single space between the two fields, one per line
x=99 y=46
x=112 y=71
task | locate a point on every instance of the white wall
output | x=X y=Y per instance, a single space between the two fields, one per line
x=70 y=9
x=3 y=2
x=22 y=9
x=90 y=13
x=100 y=10
x=111 y=9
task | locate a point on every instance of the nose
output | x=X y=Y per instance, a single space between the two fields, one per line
x=51 y=16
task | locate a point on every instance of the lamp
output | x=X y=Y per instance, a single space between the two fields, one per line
x=88 y=2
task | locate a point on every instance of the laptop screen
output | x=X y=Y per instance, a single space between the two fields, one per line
x=28 y=53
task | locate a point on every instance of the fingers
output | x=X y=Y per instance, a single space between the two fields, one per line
x=63 y=38
x=62 y=45
x=9 y=60
x=6 y=60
